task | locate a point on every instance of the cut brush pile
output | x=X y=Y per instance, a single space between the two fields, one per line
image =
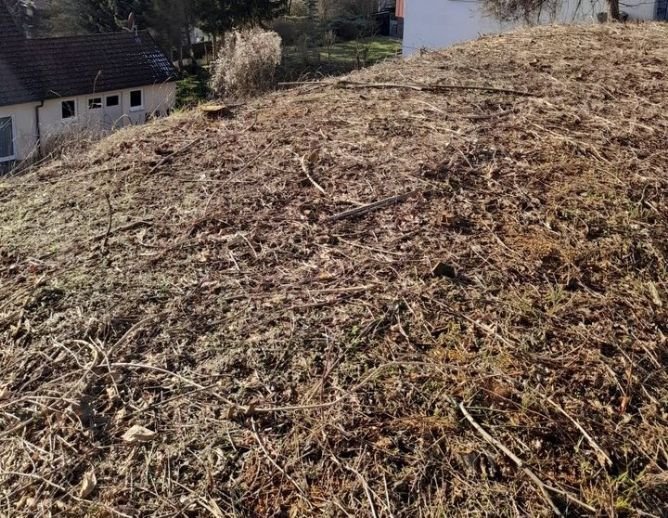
x=376 y=297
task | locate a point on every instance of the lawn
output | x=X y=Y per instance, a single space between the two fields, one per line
x=338 y=58
x=372 y=49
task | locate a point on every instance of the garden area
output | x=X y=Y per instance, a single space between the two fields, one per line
x=333 y=39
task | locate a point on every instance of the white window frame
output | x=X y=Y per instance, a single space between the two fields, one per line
x=76 y=110
x=12 y=157
x=95 y=107
x=118 y=96
x=136 y=108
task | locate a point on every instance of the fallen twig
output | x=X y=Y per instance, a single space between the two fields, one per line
x=544 y=488
x=409 y=86
x=603 y=458
x=300 y=491
x=109 y=222
x=364 y=209
x=305 y=168
x=123 y=228
x=365 y=486
x=167 y=158
x=64 y=490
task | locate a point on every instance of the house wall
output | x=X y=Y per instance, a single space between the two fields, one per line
x=441 y=23
x=24 y=128
x=157 y=100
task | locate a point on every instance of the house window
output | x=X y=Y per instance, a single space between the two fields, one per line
x=136 y=100
x=95 y=103
x=6 y=139
x=113 y=100
x=68 y=109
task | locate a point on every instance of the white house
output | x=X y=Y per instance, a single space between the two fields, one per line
x=52 y=86
x=441 y=23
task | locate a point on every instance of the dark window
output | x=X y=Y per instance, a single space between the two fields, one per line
x=68 y=109
x=95 y=103
x=6 y=139
x=113 y=100
x=136 y=99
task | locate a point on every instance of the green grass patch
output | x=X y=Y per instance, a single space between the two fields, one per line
x=339 y=58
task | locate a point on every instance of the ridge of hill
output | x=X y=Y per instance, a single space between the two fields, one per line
x=387 y=296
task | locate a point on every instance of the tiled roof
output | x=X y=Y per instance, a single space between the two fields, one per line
x=37 y=69
x=17 y=73
x=99 y=62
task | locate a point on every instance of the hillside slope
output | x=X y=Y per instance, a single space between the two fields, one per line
x=492 y=342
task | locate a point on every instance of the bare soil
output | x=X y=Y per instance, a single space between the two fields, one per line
x=493 y=342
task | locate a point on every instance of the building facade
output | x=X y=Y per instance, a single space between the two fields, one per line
x=434 y=24
x=93 y=83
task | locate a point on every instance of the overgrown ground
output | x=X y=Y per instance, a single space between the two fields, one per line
x=492 y=343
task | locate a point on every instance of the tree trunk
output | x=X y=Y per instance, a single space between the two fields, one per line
x=214 y=50
x=189 y=44
x=613 y=10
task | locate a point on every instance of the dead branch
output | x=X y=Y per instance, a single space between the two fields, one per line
x=603 y=458
x=123 y=228
x=300 y=491
x=305 y=168
x=436 y=88
x=365 y=209
x=544 y=488
x=167 y=158
x=109 y=222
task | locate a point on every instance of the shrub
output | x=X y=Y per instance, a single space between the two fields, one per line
x=247 y=63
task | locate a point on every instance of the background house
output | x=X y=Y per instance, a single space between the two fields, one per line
x=441 y=23
x=98 y=82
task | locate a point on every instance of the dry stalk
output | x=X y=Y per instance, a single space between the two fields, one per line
x=543 y=488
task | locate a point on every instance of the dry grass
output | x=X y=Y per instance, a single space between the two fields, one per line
x=247 y=63
x=291 y=364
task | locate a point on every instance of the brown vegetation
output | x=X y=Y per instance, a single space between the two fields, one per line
x=195 y=322
x=247 y=63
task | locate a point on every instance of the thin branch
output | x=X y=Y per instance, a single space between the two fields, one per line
x=409 y=86
x=109 y=222
x=544 y=488
x=602 y=456
x=123 y=228
x=305 y=168
x=300 y=491
x=167 y=158
x=64 y=490
x=364 y=209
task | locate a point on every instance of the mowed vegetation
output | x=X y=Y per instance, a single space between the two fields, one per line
x=438 y=287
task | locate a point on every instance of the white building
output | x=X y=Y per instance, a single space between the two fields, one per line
x=440 y=23
x=49 y=87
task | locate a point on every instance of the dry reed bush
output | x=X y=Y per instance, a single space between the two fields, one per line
x=188 y=278
x=247 y=63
